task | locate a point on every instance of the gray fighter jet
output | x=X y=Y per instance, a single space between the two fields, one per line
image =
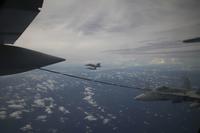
x=172 y=94
x=16 y=16
x=93 y=66
x=193 y=40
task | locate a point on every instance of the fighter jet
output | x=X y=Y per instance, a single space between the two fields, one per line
x=171 y=94
x=93 y=66
x=193 y=40
x=16 y=16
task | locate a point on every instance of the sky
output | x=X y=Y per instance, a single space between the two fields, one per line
x=117 y=32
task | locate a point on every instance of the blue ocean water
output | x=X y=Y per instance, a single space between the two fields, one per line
x=42 y=102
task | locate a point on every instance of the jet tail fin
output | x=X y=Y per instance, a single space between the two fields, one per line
x=98 y=65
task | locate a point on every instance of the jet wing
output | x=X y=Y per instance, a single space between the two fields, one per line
x=16 y=16
x=16 y=60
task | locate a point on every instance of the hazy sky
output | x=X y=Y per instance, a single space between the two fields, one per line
x=89 y=30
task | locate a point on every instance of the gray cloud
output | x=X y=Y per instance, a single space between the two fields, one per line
x=162 y=48
x=81 y=30
x=26 y=128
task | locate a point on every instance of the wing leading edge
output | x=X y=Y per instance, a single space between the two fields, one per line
x=16 y=15
x=16 y=60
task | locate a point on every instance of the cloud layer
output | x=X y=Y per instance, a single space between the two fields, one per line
x=80 y=31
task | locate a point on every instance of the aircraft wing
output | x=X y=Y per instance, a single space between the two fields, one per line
x=193 y=95
x=16 y=15
x=90 y=65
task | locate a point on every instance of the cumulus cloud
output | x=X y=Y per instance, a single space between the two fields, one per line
x=89 y=96
x=46 y=103
x=90 y=118
x=105 y=121
x=42 y=118
x=16 y=106
x=63 y=110
x=45 y=86
x=16 y=114
x=103 y=115
x=48 y=110
x=26 y=128
x=39 y=103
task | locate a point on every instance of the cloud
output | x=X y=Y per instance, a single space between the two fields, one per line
x=106 y=121
x=89 y=96
x=81 y=30
x=42 y=118
x=39 y=103
x=106 y=118
x=152 y=46
x=48 y=110
x=163 y=52
x=45 y=86
x=16 y=115
x=46 y=103
x=174 y=48
x=16 y=106
x=26 y=128
x=90 y=118
x=63 y=110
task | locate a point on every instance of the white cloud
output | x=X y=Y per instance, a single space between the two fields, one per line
x=16 y=106
x=89 y=96
x=106 y=118
x=106 y=121
x=42 y=118
x=16 y=115
x=39 y=103
x=27 y=127
x=46 y=103
x=48 y=110
x=63 y=110
x=46 y=86
x=90 y=118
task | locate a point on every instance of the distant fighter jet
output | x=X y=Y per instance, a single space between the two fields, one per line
x=93 y=66
x=171 y=94
x=16 y=16
x=193 y=40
